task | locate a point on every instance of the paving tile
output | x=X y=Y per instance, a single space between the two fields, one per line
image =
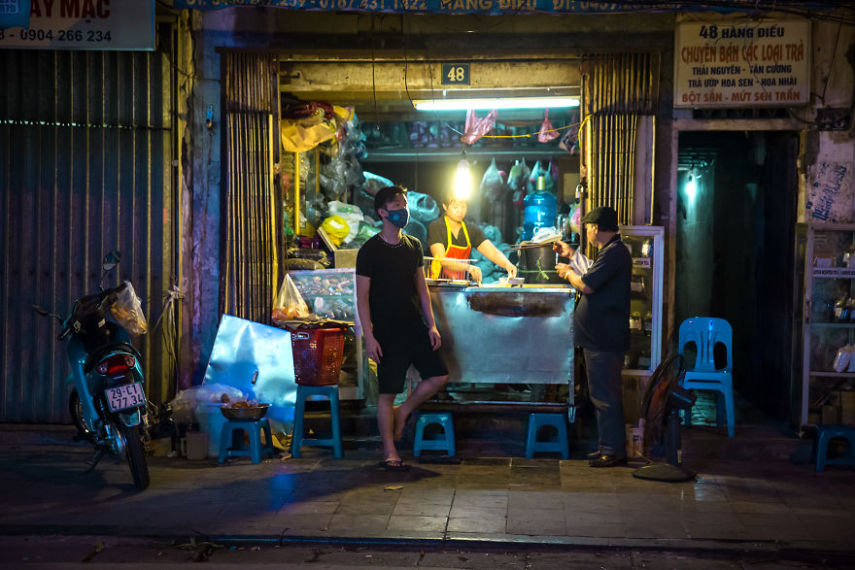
x=426 y=495
x=414 y=509
x=495 y=524
x=535 y=521
x=480 y=499
x=366 y=508
x=419 y=523
x=594 y=528
x=309 y=508
x=654 y=527
x=360 y=525
x=537 y=527
x=303 y=523
x=548 y=500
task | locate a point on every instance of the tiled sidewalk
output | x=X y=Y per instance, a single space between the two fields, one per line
x=748 y=495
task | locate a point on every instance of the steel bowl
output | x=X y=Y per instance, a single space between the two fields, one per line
x=248 y=414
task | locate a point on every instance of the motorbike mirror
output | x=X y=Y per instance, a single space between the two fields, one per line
x=111 y=260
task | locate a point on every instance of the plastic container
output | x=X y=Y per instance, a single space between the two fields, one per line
x=538 y=265
x=318 y=354
x=211 y=421
x=540 y=210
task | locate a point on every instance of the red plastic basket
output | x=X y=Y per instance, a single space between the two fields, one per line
x=317 y=355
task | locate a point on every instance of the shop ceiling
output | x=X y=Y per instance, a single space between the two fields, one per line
x=383 y=88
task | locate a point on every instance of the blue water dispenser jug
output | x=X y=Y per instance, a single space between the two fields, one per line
x=540 y=209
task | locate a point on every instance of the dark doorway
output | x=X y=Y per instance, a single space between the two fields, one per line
x=736 y=213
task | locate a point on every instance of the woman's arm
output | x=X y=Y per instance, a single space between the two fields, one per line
x=492 y=253
x=437 y=251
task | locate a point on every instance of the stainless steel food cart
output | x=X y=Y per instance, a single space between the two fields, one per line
x=497 y=335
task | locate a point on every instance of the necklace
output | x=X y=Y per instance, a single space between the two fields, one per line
x=389 y=244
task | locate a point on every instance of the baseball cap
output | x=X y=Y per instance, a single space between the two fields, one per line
x=604 y=216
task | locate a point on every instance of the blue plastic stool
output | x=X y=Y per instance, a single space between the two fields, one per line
x=560 y=445
x=231 y=433
x=443 y=443
x=824 y=435
x=297 y=441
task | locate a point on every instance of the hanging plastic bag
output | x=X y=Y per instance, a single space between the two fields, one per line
x=492 y=184
x=289 y=303
x=476 y=128
x=536 y=171
x=520 y=183
x=547 y=133
x=374 y=182
x=422 y=206
x=127 y=310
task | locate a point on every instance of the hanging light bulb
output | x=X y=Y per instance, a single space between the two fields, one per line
x=691 y=186
x=463 y=180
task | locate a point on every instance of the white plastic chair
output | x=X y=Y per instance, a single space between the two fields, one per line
x=706 y=333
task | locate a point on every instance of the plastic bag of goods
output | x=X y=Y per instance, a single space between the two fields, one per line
x=492 y=184
x=127 y=309
x=374 y=182
x=336 y=228
x=289 y=303
x=547 y=133
x=350 y=213
x=422 y=206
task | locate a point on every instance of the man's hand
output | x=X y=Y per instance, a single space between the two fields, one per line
x=563 y=269
x=563 y=249
x=372 y=348
x=512 y=270
x=435 y=340
x=475 y=273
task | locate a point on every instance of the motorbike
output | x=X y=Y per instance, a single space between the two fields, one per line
x=107 y=400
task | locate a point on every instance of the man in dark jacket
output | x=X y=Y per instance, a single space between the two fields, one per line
x=601 y=327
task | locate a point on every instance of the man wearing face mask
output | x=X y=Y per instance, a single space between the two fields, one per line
x=397 y=319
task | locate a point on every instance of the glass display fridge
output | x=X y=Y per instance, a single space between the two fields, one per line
x=645 y=313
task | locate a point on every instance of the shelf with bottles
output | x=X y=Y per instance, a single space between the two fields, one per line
x=645 y=246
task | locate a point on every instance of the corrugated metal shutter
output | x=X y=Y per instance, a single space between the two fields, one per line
x=85 y=155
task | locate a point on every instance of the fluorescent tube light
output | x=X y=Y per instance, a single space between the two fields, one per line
x=500 y=103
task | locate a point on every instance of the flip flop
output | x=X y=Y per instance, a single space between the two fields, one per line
x=394 y=465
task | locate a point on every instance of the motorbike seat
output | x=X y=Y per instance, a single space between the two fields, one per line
x=97 y=355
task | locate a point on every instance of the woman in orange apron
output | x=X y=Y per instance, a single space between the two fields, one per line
x=451 y=239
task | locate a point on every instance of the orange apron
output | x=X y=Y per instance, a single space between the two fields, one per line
x=452 y=252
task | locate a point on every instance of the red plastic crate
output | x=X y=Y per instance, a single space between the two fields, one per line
x=317 y=355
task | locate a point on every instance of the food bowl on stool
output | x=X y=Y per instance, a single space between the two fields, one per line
x=246 y=413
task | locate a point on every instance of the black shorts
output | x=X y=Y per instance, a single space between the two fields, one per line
x=400 y=349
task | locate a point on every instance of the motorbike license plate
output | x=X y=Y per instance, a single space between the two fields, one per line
x=126 y=396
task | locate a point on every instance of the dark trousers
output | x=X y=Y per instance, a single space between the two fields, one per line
x=606 y=387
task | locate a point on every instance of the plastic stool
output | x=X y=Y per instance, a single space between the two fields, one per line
x=445 y=442
x=538 y=420
x=297 y=441
x=824 y=435
x=231 y=432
